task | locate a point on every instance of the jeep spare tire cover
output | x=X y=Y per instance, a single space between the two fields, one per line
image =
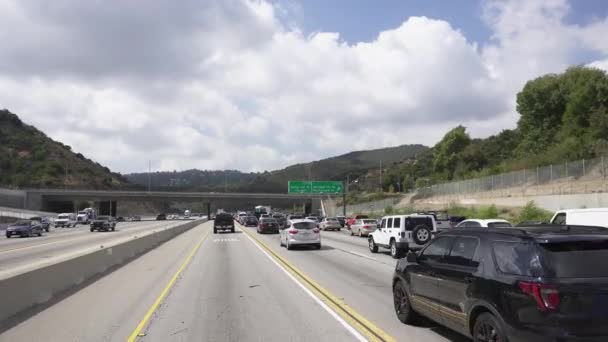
x=421 y=234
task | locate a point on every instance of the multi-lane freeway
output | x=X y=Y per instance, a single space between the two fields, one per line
x=201 y=286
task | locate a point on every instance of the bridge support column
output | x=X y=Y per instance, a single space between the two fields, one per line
x=208 y=210
x=113 y=208
x=105 y=208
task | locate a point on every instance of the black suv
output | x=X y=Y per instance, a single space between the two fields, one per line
x=104 y=223
x=535 y=283
x=223 y=221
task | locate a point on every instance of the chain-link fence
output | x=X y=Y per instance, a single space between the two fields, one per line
x=581 y=176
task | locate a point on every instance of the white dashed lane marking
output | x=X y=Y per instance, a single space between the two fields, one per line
x=226 y=240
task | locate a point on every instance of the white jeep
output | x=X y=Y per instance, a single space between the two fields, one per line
x=400 y=233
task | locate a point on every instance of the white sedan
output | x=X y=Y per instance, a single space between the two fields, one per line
x=489 y=223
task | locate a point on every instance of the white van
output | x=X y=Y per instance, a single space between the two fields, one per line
x=582 y=217
x=400 y=233
x=65 y=220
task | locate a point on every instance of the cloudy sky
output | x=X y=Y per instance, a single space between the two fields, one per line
x=258 y=84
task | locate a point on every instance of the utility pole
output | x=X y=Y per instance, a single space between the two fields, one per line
x=344 y=190
x=65 y=179
x=149 y=175
x=380 y=175
x=225 y=180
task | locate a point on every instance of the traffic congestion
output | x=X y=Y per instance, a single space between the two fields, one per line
x=442 y=275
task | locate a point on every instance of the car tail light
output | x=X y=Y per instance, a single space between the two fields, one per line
x=293 y=231
x=365 y=227
x=546 y=296
x=316 y=230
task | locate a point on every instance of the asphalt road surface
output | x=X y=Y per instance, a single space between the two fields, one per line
x=202 y=286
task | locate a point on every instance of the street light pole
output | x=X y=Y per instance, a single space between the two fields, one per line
x=149 y=175
x=380 y=175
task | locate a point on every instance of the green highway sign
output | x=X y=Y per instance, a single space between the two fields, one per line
x=314 y=187
x=299 y=187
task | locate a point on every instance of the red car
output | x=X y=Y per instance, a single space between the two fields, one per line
x=352 y=219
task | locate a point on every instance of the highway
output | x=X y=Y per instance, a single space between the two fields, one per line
x=20 y=254
x=201 y=286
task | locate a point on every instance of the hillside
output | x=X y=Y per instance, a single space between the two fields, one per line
x=28 y=158
x=354 y=164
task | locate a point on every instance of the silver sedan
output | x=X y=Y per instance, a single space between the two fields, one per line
x=363 y=227
x=300 y=233
x=330 y=223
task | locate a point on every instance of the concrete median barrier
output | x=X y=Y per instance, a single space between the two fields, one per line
x=26 y=290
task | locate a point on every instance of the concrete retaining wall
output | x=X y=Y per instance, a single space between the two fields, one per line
x=38 y=286
x=547 y=202
x=12 y=198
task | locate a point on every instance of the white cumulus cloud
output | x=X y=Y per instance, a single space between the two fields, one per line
x=228 y=84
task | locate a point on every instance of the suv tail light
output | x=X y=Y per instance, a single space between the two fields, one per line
x=316 y=230
x=546 y=296
x=293 y=231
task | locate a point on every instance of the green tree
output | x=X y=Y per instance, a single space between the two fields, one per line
x=541 y=105
x=447 y=152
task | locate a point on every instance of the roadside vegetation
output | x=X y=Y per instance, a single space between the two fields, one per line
x=528 y=213
x=562 y=117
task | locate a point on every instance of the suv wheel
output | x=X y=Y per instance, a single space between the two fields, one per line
x=372 y=245
x=488 y=329
x=395 y=251
x=403 y=307
x=214 y=230
x=421 y=234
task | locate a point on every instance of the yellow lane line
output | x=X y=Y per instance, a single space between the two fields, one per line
x=163 y=294
x=363 y=325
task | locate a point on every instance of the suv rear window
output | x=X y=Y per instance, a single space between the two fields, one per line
x=413 y=222
x=574 y=259
x=517 y=258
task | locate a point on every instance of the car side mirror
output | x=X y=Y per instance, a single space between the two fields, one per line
x=412 y=257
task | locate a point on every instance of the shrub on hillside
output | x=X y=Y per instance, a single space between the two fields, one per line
x=530 y=212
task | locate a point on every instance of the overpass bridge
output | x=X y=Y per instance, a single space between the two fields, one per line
x=107 y=200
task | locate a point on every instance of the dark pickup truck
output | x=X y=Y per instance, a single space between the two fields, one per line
x=223 y=221
x=104 y=223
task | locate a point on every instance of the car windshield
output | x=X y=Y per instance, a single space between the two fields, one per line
x=305 y=225
x=499 y=225
x=268 y=221
x=369 y=222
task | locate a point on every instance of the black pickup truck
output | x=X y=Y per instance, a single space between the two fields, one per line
x=223 y=221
